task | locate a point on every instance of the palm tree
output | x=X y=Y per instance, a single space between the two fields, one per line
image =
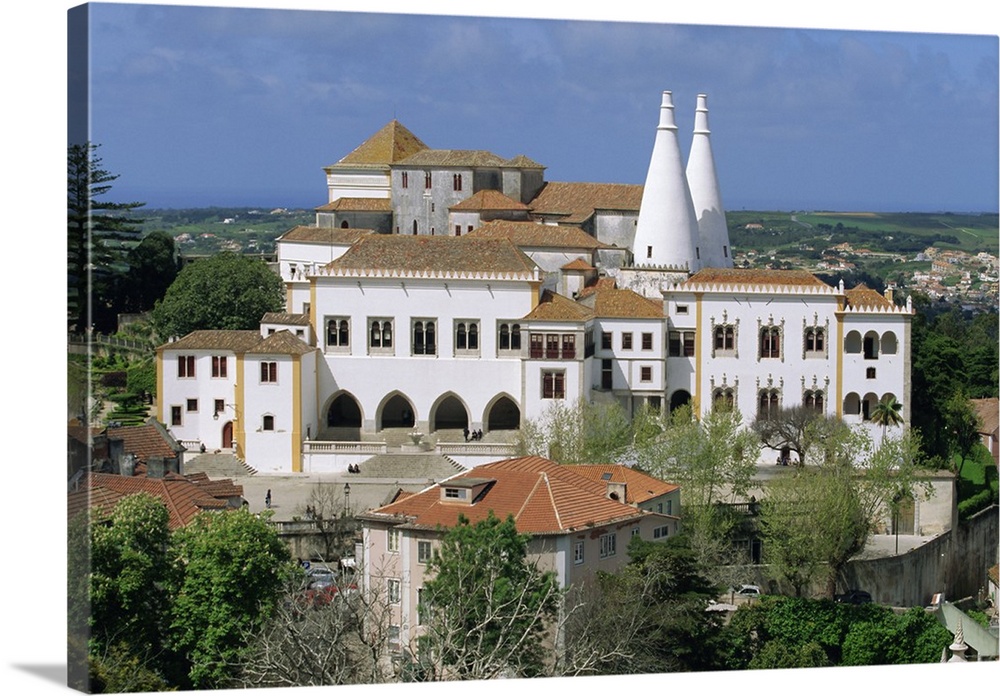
x=887 y=412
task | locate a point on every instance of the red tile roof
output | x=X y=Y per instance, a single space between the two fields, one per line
x=423 y=253
x=988 y=411
x=576 y=202
x=145 y=441
x=577 y=265
x=324 y=235
x=544 y=498
x=863 y=297
x=453 y=158
x=236 y=340
x=533 y=234
x=555 y=307
x=752 y=276
x=183 y=497
x=488 y=199
x=364 y=205
x=617 y=303
x=392 y=143
x=639 y=487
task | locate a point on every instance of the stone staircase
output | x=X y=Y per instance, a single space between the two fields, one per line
x=415 y=467
x=218 y=465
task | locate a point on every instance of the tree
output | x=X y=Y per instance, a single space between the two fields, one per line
x=714 y=461
x=961 y=423
x=225 y=291
x=311 y=643
x=488 y=606
x=152 y=268
x=128 y=556
x=99 y=233
x=816 y=520
x=652 y=614
x=812 y=523
x=229 y=570
x=887 y=412
x=798 y=428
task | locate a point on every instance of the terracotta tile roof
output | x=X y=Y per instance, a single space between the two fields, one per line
x=597 y=286
x=639 y=487
x=392 y=143
x=522 y=162
x=994 y=574
x=861 y=296
x=577 y=265
x=543 y=497
x=533 y=234
x=576 y=202
x=422 y=253
x=488 y=199
x=324 y=235
x=988 y=411
x=365 y=205
x=752 y=276
x=614 y=303
x=285 y=318
x=145 y=441
x=82 y=433
x=453 y=158
x=182 y=497
x=554 y=307
x=281 y=343
x=236 y=340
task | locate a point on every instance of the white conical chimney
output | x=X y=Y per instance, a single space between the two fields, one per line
x=666 y=233
x=713 y=232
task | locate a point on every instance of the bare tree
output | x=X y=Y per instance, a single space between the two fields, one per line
x=336 y=526
x=320 y=637
x=798 y=428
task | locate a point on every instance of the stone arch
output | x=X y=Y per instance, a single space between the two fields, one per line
x=343 y=411
x=890 y=344
x=868 y=405
x=395 y=411
x=852 y=342
x=852 y=404
x=871 y=345
x=678 y=399
x=502 y=413
x=449 y=412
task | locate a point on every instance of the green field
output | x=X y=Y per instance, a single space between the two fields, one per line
x=890 y=232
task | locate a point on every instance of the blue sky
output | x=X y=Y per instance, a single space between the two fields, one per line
x=198 y=106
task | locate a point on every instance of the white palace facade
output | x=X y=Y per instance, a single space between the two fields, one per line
x=451 y=290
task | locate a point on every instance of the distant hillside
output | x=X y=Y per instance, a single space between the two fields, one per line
x=886 y=232
x=208 y=230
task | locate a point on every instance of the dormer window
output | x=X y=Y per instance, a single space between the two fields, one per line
x=455 y=493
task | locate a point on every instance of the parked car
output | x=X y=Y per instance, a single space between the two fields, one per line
x=854 y=597
x=319 y=577
x=748 y=591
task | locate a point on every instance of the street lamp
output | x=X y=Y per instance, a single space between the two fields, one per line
x=347 y=498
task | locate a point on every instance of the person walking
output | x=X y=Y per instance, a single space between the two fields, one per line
x=267 y=499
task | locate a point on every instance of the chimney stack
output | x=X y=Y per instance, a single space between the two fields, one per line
x=713 y=233
x=666 y=234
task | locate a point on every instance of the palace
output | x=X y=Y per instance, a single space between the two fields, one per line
x=450 y=290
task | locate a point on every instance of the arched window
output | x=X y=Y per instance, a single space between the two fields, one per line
x=767 y=403
x=268 y=423
x=338 y=333
x=344 y=225
x=770 y=342
x=813 y=400
x=815 y=340
x=725 y=338
x=424 y=342
x=723 y=398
